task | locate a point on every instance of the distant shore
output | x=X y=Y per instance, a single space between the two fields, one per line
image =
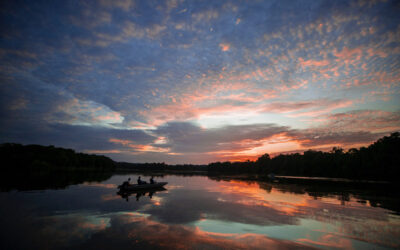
x=251 y=177
x=377 y=163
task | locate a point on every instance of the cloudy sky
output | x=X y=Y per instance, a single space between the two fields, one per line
x=198 y=81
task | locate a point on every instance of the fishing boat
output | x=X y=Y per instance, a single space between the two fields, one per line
x=134 y=187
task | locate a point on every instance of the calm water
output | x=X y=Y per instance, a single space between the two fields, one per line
x=199 y=213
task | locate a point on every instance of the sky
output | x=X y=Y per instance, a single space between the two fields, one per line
x=199 y=81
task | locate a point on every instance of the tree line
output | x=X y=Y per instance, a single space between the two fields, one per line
x=36 y=158
x=379 y=161
x=156 y=166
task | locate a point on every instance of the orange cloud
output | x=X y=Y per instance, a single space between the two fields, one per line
x=313 y=63
x=119 y=141
x=324 y=108
x=148 y=148
x=218 y=97
x=112 y=151
x=347 y=53
x=375 y=121
x=224 y=46
x=376 y=52
x=251 y=149
x=139 y=147
x=205 y=16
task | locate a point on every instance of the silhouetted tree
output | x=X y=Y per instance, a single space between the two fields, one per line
x=378 y=161
x=29 y=158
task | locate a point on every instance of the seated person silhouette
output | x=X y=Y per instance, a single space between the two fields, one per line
x=140 y=182
x=152 y=180
x=126 y=183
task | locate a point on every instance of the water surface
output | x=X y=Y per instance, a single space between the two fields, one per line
x=200 y=213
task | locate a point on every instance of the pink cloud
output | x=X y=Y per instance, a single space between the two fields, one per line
x=284 y=107
x=350 y=129
x=313 y=63
x=307 y=108
x=377 y=79
x=374 y=52
x=139 y=147
x=225 y=46
x=120 y=141
x=376 y=121
x=346 y=54
x=208 y=96
x=111 y=151
x=110 y=117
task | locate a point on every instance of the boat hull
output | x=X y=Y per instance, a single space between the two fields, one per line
x=135 y=187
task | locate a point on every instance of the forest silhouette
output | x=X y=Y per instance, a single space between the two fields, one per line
x=35 y=167
x=378 y=161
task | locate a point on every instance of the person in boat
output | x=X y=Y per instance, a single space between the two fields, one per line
x=152 y=180
x=126 y=183
x=140 y=182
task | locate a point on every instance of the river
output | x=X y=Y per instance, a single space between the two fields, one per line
x=200 y=212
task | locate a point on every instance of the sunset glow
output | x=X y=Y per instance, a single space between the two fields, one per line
x=196 y=82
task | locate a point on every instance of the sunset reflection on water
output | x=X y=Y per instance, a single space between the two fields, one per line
x=199 y=212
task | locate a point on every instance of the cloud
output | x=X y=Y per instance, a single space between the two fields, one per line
x=313 y=63
x=346 y=139
x=124 y=5
x=91 y=18
x=347 y=54
x=90 y=113
x=230 y=204
x=131 y=65
x=189 y=138
x=152 y=234
x=122 y=33
x=205 y=16
x=81 y=138
x=307 y=108
x=140 y=147
x=326 y=106
x=222 y=206
x=203 y=100
x=350 y=129
x=376 y=121
x=224 y=46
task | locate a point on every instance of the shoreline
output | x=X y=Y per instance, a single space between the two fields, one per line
x=255 y=177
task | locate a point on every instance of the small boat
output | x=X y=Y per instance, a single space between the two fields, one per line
x=133 y=187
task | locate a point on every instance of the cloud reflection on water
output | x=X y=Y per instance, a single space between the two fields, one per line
x=197 y=212
x=135 y=231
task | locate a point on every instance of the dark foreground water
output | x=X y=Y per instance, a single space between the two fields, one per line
x=201 y=213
